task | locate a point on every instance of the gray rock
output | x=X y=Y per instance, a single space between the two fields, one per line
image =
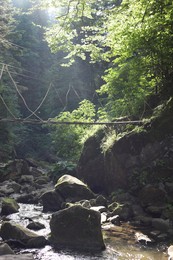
x=72 y=189
x=9 y=206
x=76 y=228
x=52 y=201
x=5 y=249
x=35 y=226
x=15 y=231
x=161 y=224
x=152 y=196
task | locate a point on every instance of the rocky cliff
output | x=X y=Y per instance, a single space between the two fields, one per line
x=141 y=156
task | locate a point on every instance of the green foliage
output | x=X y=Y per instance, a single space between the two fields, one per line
x=134 y=37
x=61 y=168
x=67 y=138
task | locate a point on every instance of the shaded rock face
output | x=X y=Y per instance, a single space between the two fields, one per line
x=151 y=195
x=72 y=189
x=77 y=228
x=91 y=164
x=132 y=154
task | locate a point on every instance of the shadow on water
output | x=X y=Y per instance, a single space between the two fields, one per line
x=120 y=243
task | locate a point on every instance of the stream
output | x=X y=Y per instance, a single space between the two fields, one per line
x=120 y=242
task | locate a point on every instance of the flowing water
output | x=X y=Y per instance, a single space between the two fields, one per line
x=120 y=242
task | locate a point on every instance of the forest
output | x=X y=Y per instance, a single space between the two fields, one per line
x=86 y=133
x=88 y=61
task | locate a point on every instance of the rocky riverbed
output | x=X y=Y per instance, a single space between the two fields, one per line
x=122 y=228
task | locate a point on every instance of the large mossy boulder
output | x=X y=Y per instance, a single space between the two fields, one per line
x=76 y=228
x=11 y=231
x=72 y=189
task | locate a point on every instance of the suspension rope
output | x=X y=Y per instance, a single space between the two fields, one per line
x=8 y=109
x=16 y=87
x=33 y=113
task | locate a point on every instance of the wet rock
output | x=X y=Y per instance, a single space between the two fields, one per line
x=72 y=189
x=5 y=249
x=9 y=206
x=76 y=228
x=52 y=201
x=35 y=226
x=16 y=232
x=17 y=257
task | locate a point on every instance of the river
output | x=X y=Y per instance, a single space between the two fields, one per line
x=120 y=242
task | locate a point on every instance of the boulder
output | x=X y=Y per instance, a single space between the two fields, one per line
x=91 y=167
x=161 y=224
x=9 y=206
x=25 y=236
x=5 y=249
x=52 y=201
x=17 y=257
x=76 y=228
x=72 y=189
x=152 y=196
x=35 y=225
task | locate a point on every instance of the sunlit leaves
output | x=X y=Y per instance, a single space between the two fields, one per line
x=67 y=138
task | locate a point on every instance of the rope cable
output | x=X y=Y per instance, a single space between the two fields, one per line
x=6 y=67
x=8 y=109
x=41 y=103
